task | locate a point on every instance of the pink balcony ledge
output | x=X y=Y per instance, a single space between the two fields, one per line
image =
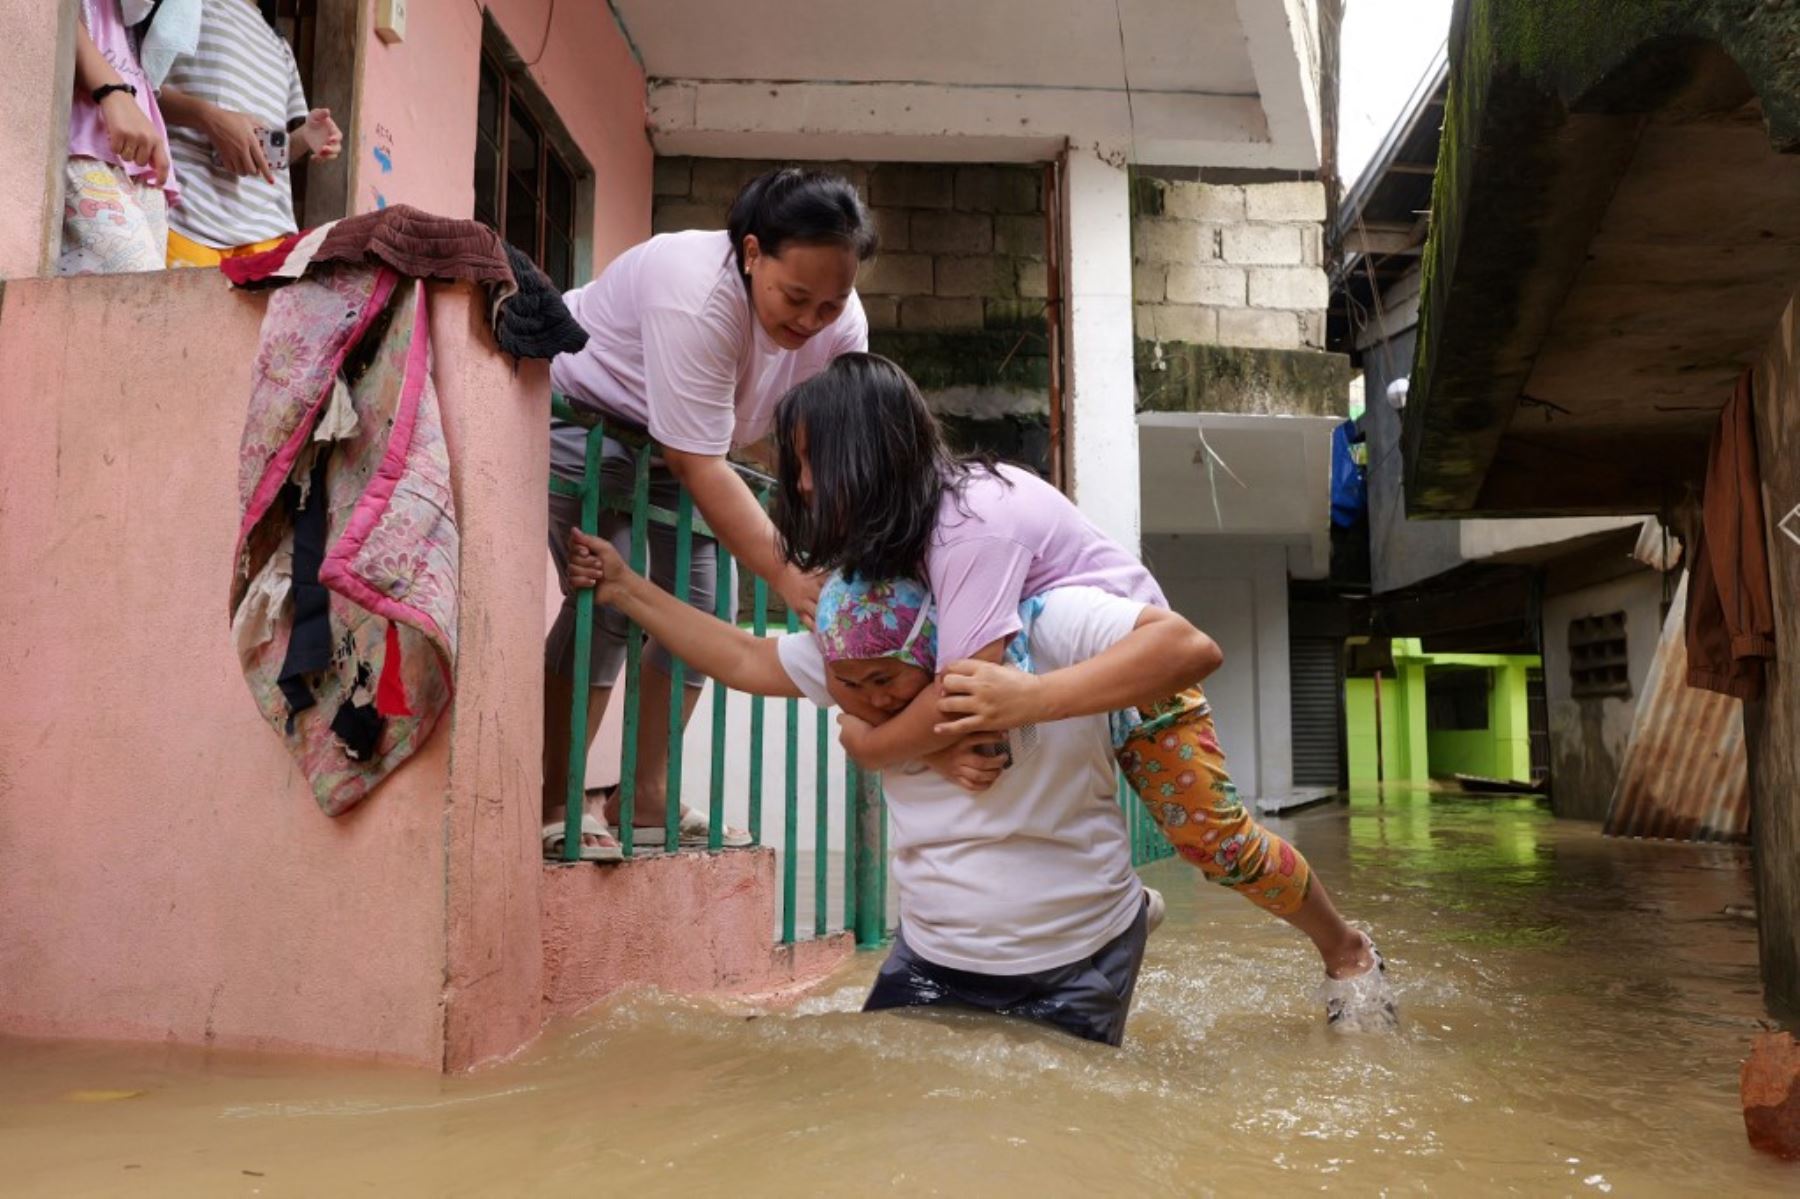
x=164 y=873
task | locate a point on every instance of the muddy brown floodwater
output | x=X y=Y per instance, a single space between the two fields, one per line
x=1575 y=1010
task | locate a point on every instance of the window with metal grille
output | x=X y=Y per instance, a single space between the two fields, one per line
x=1598 y=662
x=1456 y=701
x=524 y=186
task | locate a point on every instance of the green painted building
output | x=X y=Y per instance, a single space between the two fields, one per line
x=1439 y=715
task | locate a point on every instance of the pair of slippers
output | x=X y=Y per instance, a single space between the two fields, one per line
x=695 y=832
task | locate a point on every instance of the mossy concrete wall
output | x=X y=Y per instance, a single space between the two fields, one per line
x=1520 y=190
x=1184 y=377
x=1229 y=296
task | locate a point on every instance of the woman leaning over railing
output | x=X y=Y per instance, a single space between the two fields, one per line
x=694 y=337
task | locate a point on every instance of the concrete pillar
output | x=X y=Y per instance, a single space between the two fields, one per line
x=1511 y=721
x=1100 y=407
x=1391 y=704
x=35 y=92
x=1359 y=731
x=1414 y=735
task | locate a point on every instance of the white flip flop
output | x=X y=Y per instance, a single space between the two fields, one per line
x=695 y=833
x=591 y=826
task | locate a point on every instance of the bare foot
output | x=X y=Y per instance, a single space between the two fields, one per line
x=1355 y=956
x=647 y=811
x=589 y=840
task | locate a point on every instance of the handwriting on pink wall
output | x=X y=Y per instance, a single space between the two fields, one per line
x=382 y=151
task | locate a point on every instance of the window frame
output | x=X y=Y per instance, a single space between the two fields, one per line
x=329 y=39
x=1600 y=657
x=517 y=99
x=1459 y=699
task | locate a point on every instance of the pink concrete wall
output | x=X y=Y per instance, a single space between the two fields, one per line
x=418 y=110
x=697 y=923
x=164 y=871
x=493 y=423
x=35 y=88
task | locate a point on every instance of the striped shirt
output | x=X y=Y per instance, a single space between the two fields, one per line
x=243 y=65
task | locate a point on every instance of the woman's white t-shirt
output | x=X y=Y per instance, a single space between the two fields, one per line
x=1035 y=872
x=674 y=347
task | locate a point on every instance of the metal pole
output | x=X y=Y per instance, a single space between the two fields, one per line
x=869 y=849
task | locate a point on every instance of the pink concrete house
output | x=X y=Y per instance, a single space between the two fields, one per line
x=164 y=873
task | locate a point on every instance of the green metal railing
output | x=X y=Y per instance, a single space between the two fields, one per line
x=865 y=811
x=1147 y=841
x=864 y=882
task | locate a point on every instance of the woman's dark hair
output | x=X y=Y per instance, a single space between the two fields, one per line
x=808 y=208
x=879 y=471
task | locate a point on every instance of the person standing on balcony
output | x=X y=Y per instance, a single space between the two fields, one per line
x=240 y=122
x=694 y=336
x=118 y=184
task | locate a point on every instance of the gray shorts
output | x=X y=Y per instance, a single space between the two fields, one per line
x=607 y=653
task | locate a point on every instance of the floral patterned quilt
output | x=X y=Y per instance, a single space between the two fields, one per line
x=344 y=370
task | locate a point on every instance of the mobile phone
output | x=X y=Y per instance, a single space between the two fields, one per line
x=274 y=144
x=274 y=147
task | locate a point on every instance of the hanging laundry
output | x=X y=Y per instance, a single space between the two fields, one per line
x=1349 y=488
x=535 y=323
x=359 y=583
x=1656 y=547
x=1731 y=614
x=527 y=312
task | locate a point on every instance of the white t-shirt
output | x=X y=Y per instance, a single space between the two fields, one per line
x=674 y=347
x=1034 y=873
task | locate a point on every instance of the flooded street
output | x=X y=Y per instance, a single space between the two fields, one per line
x=1574 y=1012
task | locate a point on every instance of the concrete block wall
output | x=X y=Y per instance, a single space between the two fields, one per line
x=956 y=294
x=1229 y=264
x=962 y=246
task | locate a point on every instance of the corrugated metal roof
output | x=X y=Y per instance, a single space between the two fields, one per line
x=1684 y=776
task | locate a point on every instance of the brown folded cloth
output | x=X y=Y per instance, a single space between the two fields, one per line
x=525 y=309
x=424 y=246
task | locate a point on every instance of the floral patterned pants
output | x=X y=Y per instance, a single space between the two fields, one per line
x=1174 y=762
x=111 y=222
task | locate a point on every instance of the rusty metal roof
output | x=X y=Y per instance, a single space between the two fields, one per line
x=1684 y=776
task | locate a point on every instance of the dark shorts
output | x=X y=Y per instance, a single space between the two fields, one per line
x=607 y=650
x=1090 y=998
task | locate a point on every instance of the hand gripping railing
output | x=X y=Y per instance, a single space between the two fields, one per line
x=865 y=812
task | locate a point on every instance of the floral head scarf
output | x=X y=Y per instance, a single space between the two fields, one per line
x=859 y=620
x=890 y=619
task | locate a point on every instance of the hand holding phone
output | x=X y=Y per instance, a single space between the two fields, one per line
x=238 y=142
x=274 y=144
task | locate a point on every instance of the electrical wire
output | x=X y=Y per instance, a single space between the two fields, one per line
x=544 y=44
x=1125 y=74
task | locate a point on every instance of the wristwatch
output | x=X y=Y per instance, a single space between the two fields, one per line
x=106 y=89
